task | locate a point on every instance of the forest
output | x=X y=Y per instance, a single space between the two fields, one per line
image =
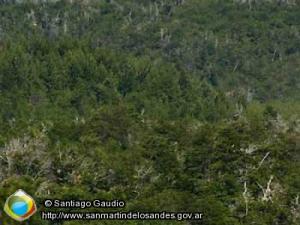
x=169 y=105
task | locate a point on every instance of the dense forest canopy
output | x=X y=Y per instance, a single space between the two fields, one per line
x=176 y=105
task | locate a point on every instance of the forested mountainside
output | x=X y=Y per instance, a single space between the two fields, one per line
x=170 y=105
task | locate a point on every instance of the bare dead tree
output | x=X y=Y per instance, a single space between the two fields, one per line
x=267 y=192
x=262 y=161
x=295 y=209
x=246 y=198
x=236 y=66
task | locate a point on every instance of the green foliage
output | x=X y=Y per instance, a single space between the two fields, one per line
x=169 y=105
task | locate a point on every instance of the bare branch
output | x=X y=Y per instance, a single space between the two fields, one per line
x=267 y=193
x=262 y=161
x=245 y=195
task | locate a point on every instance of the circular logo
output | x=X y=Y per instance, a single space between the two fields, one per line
x=20 y=206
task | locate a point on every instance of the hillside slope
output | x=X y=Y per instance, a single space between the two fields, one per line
x=175 y=105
